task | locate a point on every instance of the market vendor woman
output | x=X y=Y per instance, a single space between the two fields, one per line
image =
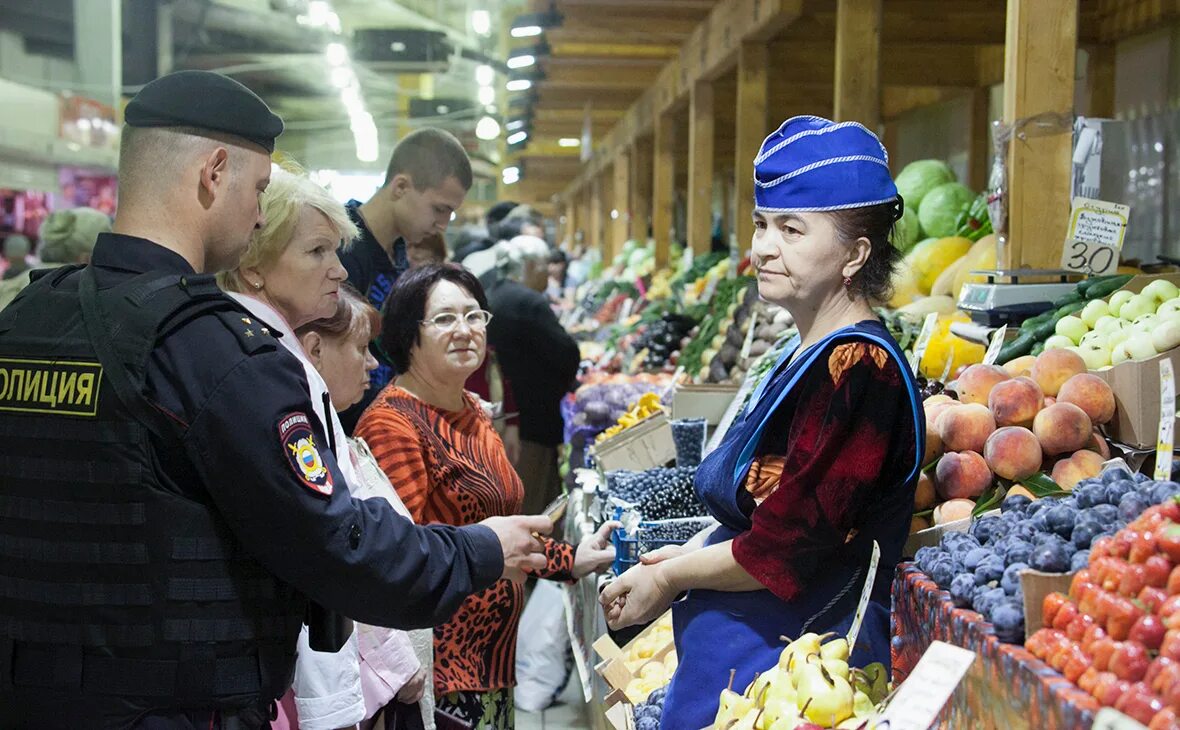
x=824 y=460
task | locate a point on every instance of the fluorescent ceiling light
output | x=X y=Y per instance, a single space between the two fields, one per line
x=519 y=85
x=487 y=95
x=485 y=75
x=487 y=128
x=515 y=124
x=521 y=61
x=336 y=53
x=343 y=77
x=481 y=22
x=569 y=142
x=517 y=137
x=526 y=31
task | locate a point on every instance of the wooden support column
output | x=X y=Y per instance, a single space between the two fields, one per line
x=663 y=198
x=700 y=167
x=1101 y=74
x=1039 y=60
x=595 y=221
x=858 y=62
x=641 y=180
x=980 y=140
x=753 y=89
x=621 y=201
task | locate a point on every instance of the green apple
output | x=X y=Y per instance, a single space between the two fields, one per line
x=1115 y=337
x=1096 y=356
x=1107 y=322
x=1117 y=300
x=1093 y=311
x=1161 y=290
x=1057 y=342
x=1139 y=347
x=1145 y=323
x=1072 y=327
x=1137 y=306
x=1095 y=338
x=1166 y=335
x=1118 y=354
x=1169 y=307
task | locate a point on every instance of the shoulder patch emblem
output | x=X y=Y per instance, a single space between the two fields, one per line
x=299 y=447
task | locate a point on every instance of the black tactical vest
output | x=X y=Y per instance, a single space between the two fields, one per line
x=112 y=586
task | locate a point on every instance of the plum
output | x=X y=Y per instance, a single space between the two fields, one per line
x=990 y=569
x=1008 y=619
x=1079 y=560
x=1061 y=519
x=962 y=589
x=1015 y=503
x=1010 y=581
x=1050 y=557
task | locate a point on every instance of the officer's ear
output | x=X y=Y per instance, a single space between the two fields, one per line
x=313 y=345
x=215 y=170
x=400 y=185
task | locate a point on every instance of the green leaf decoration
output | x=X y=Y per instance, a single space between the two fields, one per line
x=990 y=499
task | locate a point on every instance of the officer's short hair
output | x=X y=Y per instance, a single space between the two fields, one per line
x=405 y=308
x=428 y=156
x=150 y=156
x=282 y=203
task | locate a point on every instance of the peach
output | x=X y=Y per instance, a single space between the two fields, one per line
x=924 y=495
x=1091 y=394
x=1049 y=400
x=1062 y=427
x=962 y=475
x=936 y=399
x=1013 y=452
x=1020 y=366
x=951 y=510
x=1081 y=465
x=1098 y=445
x=977 y=381
x=1016 y=402
x=1054 y=367
x=934 y=412
x=933 y=444
x=1021 y=490
x=966 y=427
x=917 y=524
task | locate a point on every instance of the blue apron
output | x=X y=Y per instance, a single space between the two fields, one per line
x=721 y=631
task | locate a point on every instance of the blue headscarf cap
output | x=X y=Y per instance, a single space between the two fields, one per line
x=814 y=164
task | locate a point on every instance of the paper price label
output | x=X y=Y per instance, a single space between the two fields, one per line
x=994 y=347
x=865 y=594
x=1096 y=233
x=1163 y=446
x=1109 y=718
x=749 y=341
x=924 y=339
x=922 y=696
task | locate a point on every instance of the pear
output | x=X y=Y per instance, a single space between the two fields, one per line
x=779 y=701
x=862 y=704
x=760 y=688
x=853 y=723
x=835 y=649
x=732 y=706
x=750 y=720
x=837 y=668
x=822 y=698
x=878 y=680
x=808 y=643
x=781 y=715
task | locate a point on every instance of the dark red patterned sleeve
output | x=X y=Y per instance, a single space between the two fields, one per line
x=838 y=444
x=560 y=557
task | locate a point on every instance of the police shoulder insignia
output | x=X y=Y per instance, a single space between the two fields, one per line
x=299 y=446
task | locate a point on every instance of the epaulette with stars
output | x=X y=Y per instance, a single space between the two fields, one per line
x=253 y=336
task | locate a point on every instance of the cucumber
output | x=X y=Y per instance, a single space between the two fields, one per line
x=1106 y=286
x=1021 y=345
x=1045 y=329
x=1029 y=324
x=1071 y=298
x=1037 y=349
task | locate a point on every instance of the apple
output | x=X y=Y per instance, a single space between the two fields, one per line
x=1139 y=703
x=1094 y=634
x=1144 y=545
x=1117 y=300
x=1130 y=661
x=1170 y=606
x=1072 y=327
x=1149 y=631
x=1167 y=334
x=1051 y=604
x=1093 y=311
x=1152 y=598
x=1101 y=651
x=1168 y=541
x=1123 y=615
x=1096 y=356
x=1058 y=342
x=1064 y=615
x=1109 y=691
x=1171 y=645
x=1133 y=580
x=1119 y=354
x=1100 y=547
x=1076 y=630
x=1077 y=662
x=1165 y=719
x=1139 y=347
x=1173 y=586
x=1158 y=568
x=1160 y=665
x=1161 y=290
x=1136 y=306
x=1094 y=337
x=1088 y=680
x=1172 y=306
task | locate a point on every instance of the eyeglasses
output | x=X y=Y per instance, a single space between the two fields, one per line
x=447 y=321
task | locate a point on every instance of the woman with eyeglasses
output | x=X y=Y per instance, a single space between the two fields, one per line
x=437 y=445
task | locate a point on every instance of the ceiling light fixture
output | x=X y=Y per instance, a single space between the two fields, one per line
x=569 y=142
x=519 y=85
x=533 y=24
x=485 y=75
x=481 y=22
x=487 y=128
x=487 y=95
x=336 y=53
x=343 y=77
x=521 y=61
x=517 y=137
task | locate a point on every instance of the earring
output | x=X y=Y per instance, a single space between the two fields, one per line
x=847 y=281
x=258 y=284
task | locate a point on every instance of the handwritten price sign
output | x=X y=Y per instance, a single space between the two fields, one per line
x=1096 y=233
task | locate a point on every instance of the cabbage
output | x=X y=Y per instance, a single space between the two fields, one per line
x=920 y=177
x=907 y=231
x=940 y=209
x=637 y=258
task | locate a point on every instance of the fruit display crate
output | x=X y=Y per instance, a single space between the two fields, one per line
x=649 y=536
x=1006 y=687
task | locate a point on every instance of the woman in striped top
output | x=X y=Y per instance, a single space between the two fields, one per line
x=440 y=451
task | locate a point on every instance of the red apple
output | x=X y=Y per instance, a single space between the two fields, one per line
x=1133 y=580
x=1139 y=703
x=1170 y=606
x=1076 y=630
x=1168 y=541
x=1038 y=643
x=1144 y=546
x=1088 y=680
x=1149 y=631
x=1103 y=604
x=1171 y=645
x=1165 y=719
x=1076 y=663
x=1109 y=691
x=1094 y=633
x=1080 y=578
x=1059 y=656
x=1051 y=605
x=1152 y=599
x=1123 y=616
x=1101 y=547
x=1173 y=586
x=1123 y=540
x=1157 y=568
x=1162 y=673
x=1064 y=615
x=1170 y=694
x=1130 y=661
x=1101 y=651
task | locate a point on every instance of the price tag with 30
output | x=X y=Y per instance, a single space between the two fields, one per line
x=1163 y=447
x=1096 y=233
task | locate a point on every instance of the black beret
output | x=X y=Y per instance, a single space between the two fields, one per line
x=208 y=101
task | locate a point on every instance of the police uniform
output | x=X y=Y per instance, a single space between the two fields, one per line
x=168 y=505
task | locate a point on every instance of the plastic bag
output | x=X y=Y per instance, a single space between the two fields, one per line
x=542 y=649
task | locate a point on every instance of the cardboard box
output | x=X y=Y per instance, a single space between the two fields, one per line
x=1136 y=387
x=703 y=401
x=613 y=668
x=1035 y=585
x=646 y=445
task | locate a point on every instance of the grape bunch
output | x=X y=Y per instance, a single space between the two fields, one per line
x=689 y=436
x=655 y=535
x=662 y=338
x=649 y=712
x=658 y=494
x=928 y=387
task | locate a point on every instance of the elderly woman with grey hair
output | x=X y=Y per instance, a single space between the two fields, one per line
x=535 y=350
x=67 y=237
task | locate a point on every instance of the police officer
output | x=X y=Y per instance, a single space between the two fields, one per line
x=168 y=504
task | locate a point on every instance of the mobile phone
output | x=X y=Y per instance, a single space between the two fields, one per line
x=556 y=509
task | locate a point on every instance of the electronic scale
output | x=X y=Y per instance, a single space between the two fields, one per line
x=1010 y=296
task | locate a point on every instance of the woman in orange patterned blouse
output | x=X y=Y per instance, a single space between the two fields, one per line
x=440 y=451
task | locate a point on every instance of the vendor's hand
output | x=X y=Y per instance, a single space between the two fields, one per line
x=595 y=553
x=512 y=444
x=665 y=553
x=522 y=550
x=638 y=596
x=414 y=688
